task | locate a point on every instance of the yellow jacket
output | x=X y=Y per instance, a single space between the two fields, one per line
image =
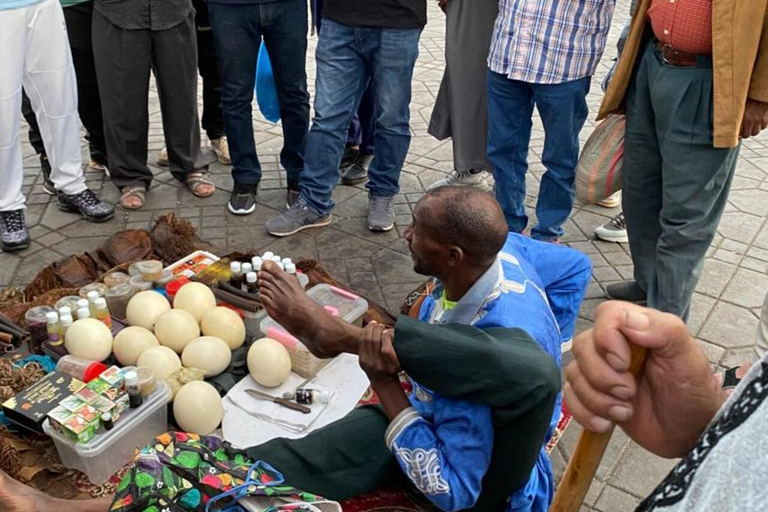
x=740 y=63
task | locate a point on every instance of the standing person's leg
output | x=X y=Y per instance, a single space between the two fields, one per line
x=285 y=34
x=761 y=338
x=35 y=139
x=212 y=119
x=641 y=189
x=123 y=63
x=563 y=109
x=174 y=55
x=461 y=107
x=341 y=79
x=696 y=179
x=79 y=20
x=393 y=54
x=510 y=107
x=358 y=154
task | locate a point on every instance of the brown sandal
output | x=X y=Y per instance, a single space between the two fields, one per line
x=197 y=179
x=139 y=193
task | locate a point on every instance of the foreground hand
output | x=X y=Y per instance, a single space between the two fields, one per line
x=377 y=354
x=673 y=399
x=755 y=119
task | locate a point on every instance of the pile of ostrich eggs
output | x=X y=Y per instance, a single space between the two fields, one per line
x=131 y=342
x=144 y=308
x=90 y=339
x=207 y=353
x=198 y=408
x=176 y=328
x=225 y=324
x=269 y=362
x=196 y=299
x=161 y=361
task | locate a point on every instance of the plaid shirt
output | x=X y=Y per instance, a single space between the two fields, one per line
x=549 y=41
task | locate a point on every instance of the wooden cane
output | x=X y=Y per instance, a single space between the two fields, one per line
x=587 y=456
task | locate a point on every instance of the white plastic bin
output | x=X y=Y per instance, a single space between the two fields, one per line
x=108 y=452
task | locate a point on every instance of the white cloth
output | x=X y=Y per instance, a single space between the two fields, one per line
x=35 y=54
x=343 y=376
x=761 y=338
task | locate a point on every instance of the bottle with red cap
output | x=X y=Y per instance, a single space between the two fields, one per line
x=79 y=368
x=172 y=288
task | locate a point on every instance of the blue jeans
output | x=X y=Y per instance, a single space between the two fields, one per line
x=563 y=110
x=238 y=30
x=347 y=59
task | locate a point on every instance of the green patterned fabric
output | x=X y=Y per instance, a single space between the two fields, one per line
x=70 y=3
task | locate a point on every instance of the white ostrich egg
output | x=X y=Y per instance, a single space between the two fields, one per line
x=269 y=362
x=175 y=329
x=90 y=339
x=144 y=308
x=225 y=324
x=131 y=342
x=207 y=353
x=195 y=298
x=198 y=408
x=161 y=361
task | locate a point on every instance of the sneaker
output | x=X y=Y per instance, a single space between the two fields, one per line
x=357 y=172
x=611 y=201
x=628 y=291
x=381 y=214
x=242 y=201
x=481 y=180
x=162 y=160
x=296 y=218
x=615 y=230
x=220 y=147
x=48 y=186
x=349 y=157
x=87 y=204
x=293 y=194
x=14 y=234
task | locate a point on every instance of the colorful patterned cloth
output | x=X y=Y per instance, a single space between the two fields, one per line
x=188 y=473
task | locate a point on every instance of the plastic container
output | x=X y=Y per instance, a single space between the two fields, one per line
x=116 y=279
x=172 y=288
x=165 y=278
x=150 y=270
x=118 y=298
x=82 y=369
x=193 y=263
x=108 y=452
x=139 y=284
x=38 y=326
x=70 y=301
x=100 y=288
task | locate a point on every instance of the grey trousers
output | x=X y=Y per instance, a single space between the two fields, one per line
x=461 y=107
x=124 y=60
x=675 y=182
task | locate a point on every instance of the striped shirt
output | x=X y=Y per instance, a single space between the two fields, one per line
x=549 y=41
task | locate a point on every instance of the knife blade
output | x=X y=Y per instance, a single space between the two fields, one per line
x=279 y=400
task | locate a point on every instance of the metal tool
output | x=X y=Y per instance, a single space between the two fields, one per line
x=279 y=400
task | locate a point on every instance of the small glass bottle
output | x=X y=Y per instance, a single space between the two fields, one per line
x=107 y=420
x=277 y=259
x=83 y=313
x=66 y=323
x=93 y=296
x=133 y=388
x=290 y=268
x=267 y=255
x=102 y=312
x=54 y=329
x=82 y=303
x=252 y=281
x=64 y=311
x=236 y=275
x=286 y=261
x=247 y=267
x=308 y=396
x=256 y=263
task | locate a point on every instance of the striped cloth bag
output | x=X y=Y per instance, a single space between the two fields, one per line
x=598 y=174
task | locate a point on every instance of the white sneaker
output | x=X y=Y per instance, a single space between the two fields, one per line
x=220 y=147
x=611 y=201
x=615 y=230
x=162 y=160
x=480 y=180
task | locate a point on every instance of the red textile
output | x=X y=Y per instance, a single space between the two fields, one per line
x=685 y=25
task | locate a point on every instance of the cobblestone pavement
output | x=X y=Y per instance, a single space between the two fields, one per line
x=726 y=306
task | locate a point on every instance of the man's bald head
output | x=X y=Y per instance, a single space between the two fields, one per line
x=467 y=218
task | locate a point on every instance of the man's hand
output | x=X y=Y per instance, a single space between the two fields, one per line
x=755 y=118
x=673 y=399
x=377 y=355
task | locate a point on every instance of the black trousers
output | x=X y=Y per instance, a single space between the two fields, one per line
x=124 y=59
x=208 y=65
x=79 y=19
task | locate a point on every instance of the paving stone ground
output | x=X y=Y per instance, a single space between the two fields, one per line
x=725 y=310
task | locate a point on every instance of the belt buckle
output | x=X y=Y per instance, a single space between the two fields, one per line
x=665 y=51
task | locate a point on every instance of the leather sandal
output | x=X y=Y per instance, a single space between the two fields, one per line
x=139 y=193
x=195 y=180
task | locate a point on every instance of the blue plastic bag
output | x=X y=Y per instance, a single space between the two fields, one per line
x=266 y=89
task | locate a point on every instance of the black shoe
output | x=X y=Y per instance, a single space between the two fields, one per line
x=357 y=172
x=87 y=204
x=293 y=193
x=628 y=291
x=14 y=234
x=48 y=186
x=349 y=157
x=242 y=201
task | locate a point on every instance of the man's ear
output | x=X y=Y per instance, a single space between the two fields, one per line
x=455 y=256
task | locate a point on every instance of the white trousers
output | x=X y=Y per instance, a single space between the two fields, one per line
x=35 y=54
x=761 y=339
